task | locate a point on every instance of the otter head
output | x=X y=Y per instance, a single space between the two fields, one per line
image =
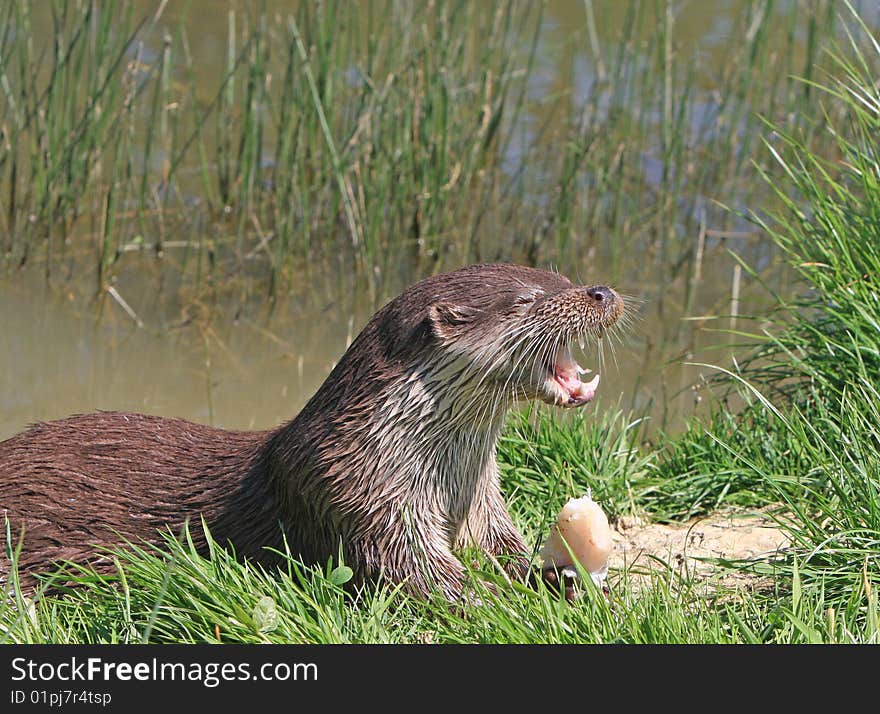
x=402 y=435
x=506 y=331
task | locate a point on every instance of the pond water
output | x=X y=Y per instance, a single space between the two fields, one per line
x=146 y=346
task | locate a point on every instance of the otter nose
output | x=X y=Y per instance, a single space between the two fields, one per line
x=600 y=293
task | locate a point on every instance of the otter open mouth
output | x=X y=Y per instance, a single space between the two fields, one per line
x=564 y=385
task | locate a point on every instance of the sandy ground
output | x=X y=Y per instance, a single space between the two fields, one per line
x=639 y=546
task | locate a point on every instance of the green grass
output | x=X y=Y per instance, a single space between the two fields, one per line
x=824 y=589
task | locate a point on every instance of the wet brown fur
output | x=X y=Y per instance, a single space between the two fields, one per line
x=393 y=458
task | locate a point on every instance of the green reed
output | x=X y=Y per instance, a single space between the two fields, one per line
x=807 y=435
x=390 y=140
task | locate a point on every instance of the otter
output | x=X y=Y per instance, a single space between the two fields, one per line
x=391 y=464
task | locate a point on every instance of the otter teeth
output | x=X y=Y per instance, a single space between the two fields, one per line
x=567 y=375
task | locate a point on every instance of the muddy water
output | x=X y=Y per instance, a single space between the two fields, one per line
x=63 y=352
x=60 y=356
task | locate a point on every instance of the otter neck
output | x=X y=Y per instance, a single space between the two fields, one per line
x=422 y=439
x=435 y=442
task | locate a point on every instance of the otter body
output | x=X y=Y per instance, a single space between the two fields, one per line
x=392 y=460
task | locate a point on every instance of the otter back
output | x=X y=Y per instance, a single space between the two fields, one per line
x=93 y=480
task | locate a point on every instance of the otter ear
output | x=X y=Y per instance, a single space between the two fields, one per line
x=527 y=296
x=445 y=317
